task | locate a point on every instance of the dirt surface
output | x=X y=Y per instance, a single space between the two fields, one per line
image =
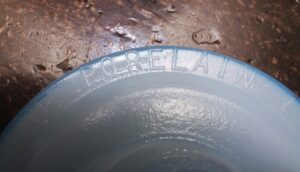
x=40 y=40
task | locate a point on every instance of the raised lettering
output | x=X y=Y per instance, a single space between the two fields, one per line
x=132 y=59
x=174 y=62
x=108 y=67
x=223 y=67
x=93 y=74
x=153 y=59
x=202 y=62
x=246 y=77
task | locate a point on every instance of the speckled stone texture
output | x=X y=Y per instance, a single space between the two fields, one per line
x=40 y=40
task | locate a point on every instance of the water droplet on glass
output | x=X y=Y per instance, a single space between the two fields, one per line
x=39 y=67
x=155 y=28
x=206 y=36
x=122 y=32
x=99 y=11
x=158 y=38
x=251 y=60
x=132 y=20
x=171 y=8
x=64 y=65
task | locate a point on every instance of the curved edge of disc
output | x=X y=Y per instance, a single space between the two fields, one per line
x=291 y=105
